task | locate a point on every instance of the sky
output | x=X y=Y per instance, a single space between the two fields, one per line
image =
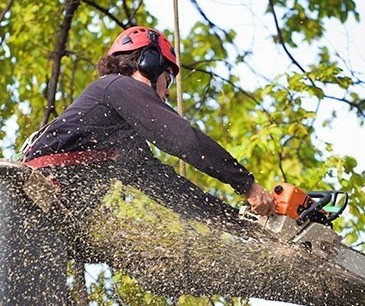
x=254 y=29
x=247 y=18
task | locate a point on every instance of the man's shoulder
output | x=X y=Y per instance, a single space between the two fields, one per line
x=111 y=78
x=106 y=83
x=120 y=81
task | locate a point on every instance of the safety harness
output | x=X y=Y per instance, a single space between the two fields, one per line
x=43 y=190
x=71 y=158
x=60 y=159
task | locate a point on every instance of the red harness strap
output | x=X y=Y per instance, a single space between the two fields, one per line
x=71 y=158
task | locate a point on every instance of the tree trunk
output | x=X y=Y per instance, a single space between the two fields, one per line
x=188 y=249
x=170 y=255
x=32 y=251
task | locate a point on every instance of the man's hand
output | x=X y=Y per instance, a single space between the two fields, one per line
x=261 y=201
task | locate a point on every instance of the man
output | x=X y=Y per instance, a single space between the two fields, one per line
x=104 y=134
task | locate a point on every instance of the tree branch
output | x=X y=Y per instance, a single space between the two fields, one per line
x=357 y=106
x=112 y=17
x=7 y=8
x=281 y=40
x=211 y=24
x=295 y=62
x=192 y=67
x=105 y=11
x=71 y=7
x=131 y=16
x=2 y=15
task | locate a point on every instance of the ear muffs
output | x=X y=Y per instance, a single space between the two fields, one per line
x=151 y=63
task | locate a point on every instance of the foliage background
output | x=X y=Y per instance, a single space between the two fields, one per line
x=269 y=128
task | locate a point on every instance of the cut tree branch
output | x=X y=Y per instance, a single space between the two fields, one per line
x=208 y=251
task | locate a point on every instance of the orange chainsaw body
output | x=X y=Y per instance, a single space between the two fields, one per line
x=290 y=200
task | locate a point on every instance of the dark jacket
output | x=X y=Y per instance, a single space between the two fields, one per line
x=119 y=112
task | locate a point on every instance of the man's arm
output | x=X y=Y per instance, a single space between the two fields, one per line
x=142 y=109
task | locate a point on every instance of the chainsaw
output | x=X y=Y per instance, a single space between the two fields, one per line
x=302 y=217
x=305 y=219
x=293 y=202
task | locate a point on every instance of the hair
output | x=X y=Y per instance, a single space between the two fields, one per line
x=123 y=63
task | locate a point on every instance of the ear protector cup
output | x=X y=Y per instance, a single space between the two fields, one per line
x=151 y=63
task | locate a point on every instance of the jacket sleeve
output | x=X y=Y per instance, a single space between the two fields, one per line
x=139 y=105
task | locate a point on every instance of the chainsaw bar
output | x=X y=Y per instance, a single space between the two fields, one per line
x=318 y=239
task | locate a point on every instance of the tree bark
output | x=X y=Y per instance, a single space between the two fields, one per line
x=32 y=251
x=171 y=256
x=70 y=8
x=202 y=250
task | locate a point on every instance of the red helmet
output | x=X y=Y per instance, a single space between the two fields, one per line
x=138 y=37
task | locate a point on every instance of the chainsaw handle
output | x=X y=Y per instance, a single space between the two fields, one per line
x=332 y=216
x=324 y=196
